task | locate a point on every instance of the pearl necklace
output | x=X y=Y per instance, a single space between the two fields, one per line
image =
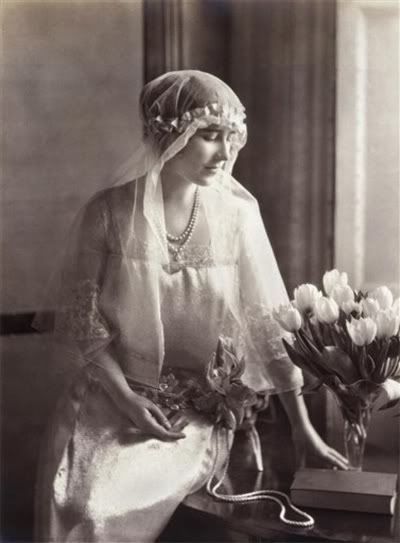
x=184 y=238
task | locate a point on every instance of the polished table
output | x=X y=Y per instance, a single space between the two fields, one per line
x=260 y=521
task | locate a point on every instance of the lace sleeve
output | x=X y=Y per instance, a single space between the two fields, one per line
x=261 y=289
x=265 y=350
x=79 y=318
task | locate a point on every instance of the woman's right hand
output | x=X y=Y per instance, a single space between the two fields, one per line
x=149 y=418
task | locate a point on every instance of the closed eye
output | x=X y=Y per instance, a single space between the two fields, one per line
x=210 y=135
x=215 y=135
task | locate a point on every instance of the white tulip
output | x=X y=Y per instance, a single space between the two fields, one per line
x=342 y=294
x=383 y=296
x=390 y=391
x=334 y=278
x=396 y=307
x=288 y=317
x=370 y=307
x=305 y=297
x=326 y=310
x=387 y=323
x=350 y=307
x=362 y=331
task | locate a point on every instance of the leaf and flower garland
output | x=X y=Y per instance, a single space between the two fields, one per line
x=221 y=395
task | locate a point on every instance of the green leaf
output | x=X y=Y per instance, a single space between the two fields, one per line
x=304 y=362
x=316 y=335
x=308 y=344
x=340 y=363
x=313 y=386
x=394 y=347
x=389 y=405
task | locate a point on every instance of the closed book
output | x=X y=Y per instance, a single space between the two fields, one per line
x=362 y=491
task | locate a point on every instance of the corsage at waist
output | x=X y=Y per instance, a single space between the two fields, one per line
x=218 y=393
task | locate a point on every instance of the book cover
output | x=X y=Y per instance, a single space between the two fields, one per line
x=361 y=491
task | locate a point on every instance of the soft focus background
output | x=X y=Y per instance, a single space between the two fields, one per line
x=320 y=81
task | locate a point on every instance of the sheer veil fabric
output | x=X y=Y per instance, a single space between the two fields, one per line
x=108 y=287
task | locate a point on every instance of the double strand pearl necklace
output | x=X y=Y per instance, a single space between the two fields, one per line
x=184 y=238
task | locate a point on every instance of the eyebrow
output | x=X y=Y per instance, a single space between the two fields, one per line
x=215 y=128
x=212 y=128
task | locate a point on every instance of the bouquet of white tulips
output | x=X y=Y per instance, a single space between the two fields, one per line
x=346 y=340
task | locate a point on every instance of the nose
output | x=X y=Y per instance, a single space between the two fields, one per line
x=224 y=149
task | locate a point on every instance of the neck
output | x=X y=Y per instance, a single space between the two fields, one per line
x=176 y=190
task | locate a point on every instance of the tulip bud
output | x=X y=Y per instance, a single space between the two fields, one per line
x=362 y=331
x=288 y=317
x=387 y=323
x=370 y=307
x=326 y=310
x=305 y=297
x=383 y=296
x=334 y=278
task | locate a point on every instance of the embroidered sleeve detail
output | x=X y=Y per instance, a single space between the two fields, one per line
x=264 y=332
x=80 y=317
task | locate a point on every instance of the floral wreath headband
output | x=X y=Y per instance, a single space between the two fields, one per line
x=214 y=113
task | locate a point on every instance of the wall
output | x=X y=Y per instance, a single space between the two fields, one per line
x=368 y=143
x=72 y=72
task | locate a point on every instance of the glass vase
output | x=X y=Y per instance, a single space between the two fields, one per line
x=355 y=438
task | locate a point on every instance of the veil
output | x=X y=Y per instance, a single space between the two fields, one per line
x=107 y=288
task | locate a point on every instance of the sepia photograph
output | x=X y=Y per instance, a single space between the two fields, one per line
x=200 y=271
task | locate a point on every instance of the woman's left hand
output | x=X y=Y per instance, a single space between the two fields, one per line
x=308 y=441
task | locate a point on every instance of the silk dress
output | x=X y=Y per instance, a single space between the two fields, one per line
x=100 y=478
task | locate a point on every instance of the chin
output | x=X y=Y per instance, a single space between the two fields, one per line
x=208 y=178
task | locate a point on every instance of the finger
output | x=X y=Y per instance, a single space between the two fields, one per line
x=179 y=426
x=156 y=412
x=339 y=456
x=337 y=460
x=175 y=417
x=178 y=419
x=156 y=429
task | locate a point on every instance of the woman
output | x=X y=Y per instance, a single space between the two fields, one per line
x=158 y=268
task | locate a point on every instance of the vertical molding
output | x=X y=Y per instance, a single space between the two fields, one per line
x=162 y=29
x=350 y=149
x=360 y=142
x=173 y=34
x=191 y=34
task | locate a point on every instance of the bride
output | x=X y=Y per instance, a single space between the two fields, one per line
x=158 y=267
